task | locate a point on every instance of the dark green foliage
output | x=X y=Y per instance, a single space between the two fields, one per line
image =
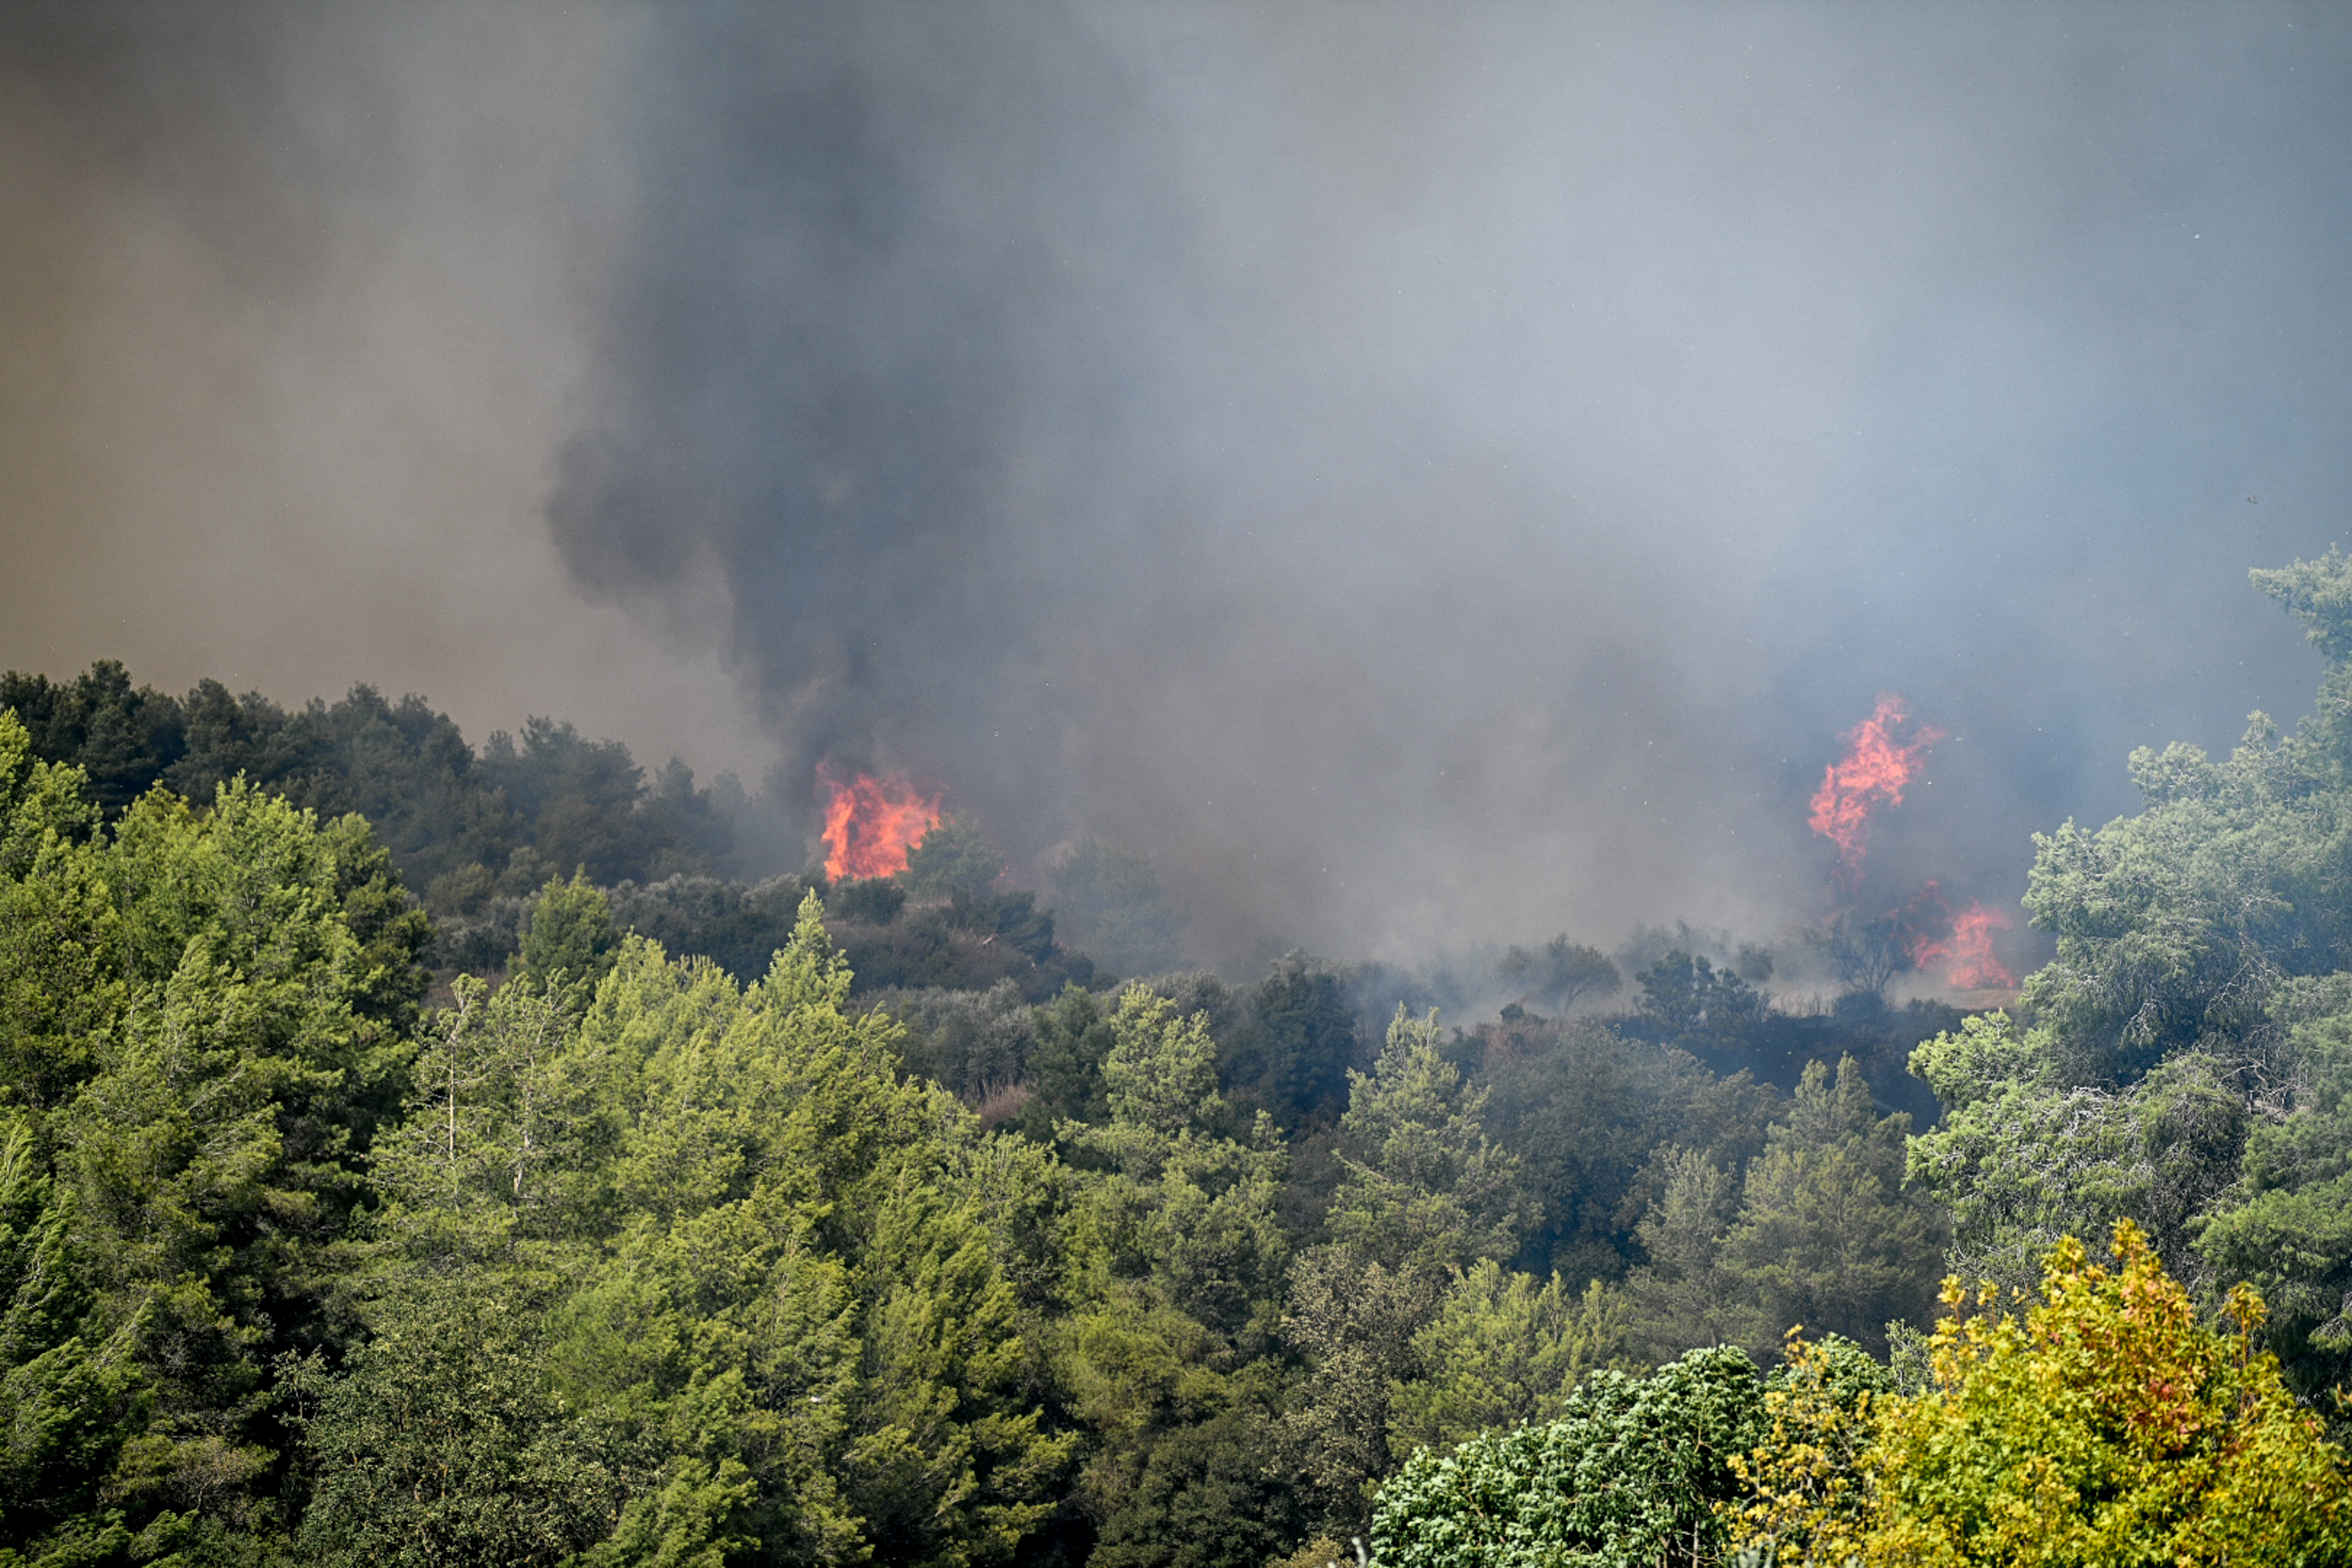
x=1012 y=918
x=663 y=1251
x=738 y=926
x=1292 y=1053
x=1588 y=1112
x=1212 y=1495
x=69 y=1404
x=871 y=900
x=1064 y=1066
x=1818 y=1230
x=1424 y=1195
x=2176 y=928
x=974 y=1043
x=2176 y=1064
x=442 y=1445
x=1629 y=1477
x=2285 y=1224
x=1354 y=1322
x=1687 y=1001
x=1426 y=1190
x=2023 y=1159
x=186 y=1158
x=463 y=827
x=122 y=738
x=59 y=983
x=953 y=861
x=582 y=799
x=972 y=942
x=1827 y=1236
x=569 y=941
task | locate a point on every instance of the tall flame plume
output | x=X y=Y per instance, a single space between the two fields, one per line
x=1883 y=756
x=871 y=823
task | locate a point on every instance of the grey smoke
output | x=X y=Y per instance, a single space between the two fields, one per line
x=1438 y=473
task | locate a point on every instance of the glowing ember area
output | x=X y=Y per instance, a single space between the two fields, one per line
x=1966 y=954
x=870 y=824
x=1883 y=756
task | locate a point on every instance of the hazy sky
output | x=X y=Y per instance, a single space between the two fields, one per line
x=1423 y=472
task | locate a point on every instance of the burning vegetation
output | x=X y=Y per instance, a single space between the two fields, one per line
x=1883 y=758
x=872 y=825
x=1883 y=755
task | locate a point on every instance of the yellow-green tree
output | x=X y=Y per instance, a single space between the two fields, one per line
x=2105 y=1424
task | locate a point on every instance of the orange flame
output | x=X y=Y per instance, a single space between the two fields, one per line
x=1883 y=755
x=870 y=824
x=1966 y=954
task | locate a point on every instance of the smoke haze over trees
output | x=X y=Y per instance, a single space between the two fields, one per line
x=837 y=1218
x=1401 y=470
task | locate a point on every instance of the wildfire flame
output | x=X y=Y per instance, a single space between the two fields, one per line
x=1883 y=755
x=871 y=823
x=1967 y=955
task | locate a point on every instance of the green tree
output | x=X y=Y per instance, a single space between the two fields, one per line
x=1064 y=1069
x=1210 y=1495
x=121 y=737
x=1425 y=1196
x=214 y=1154
x=954 y=857
x=205 y=1015
x=2175 y=927
x=1592 y=1116
x=1426 y=1189
x=441 y=1443
x=773 y=1270
x=60 y=982
x=1183 y=1205
x=1630 y=1476
x=1686 y=1295
x=2285 y=1224
x=1176 y=1263
x=1502 y=1350
x=1292 y=1054
x=1827 y=1235
x=70 y=1404
x=1353 y=1325
x=2022 y=1158
x=569 y=941
x=1688 y=1002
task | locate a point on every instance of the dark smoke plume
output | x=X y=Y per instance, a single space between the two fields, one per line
x=1411 y=469
x=1426 y=473
x=889 y=262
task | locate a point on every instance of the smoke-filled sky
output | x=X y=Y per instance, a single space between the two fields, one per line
x=1424 y=473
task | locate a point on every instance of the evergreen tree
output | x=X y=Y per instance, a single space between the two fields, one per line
x=1426 y=1190
x=1502 y=1350
x=1685 y=1296
x=1827 y=1235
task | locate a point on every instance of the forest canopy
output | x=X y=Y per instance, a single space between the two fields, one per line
x=415 y=1154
